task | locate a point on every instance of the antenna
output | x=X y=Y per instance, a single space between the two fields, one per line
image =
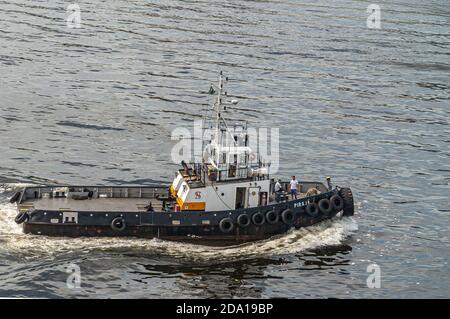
x=218 y=104
x=218 y=107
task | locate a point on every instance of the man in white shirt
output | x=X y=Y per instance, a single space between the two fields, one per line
x=278 y=186
x=294 y=184
x=278 y=190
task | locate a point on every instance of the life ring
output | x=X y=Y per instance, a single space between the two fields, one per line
x=118 y=224
x=258 y=219
x=272 y=217
x=21 y=217
x=243 y=220
x=15 y=197
x=312 y=209
x=287 y=216
x=337 y=203
x=325 y=206
x=226 y=225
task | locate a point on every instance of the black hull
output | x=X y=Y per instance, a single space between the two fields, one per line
x=193 y=227
x=189 y=234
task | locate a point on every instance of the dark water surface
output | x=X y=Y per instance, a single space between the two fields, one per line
x=97 y=105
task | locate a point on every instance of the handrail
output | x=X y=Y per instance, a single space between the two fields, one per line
x=21 y=195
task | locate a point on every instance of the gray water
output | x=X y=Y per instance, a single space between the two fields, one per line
x=97 y=105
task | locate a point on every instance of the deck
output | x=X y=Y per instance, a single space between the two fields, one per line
x=120 y=198
x=96 y=204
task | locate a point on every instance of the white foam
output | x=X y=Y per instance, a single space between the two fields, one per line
x=13 y=187
x=7 y=225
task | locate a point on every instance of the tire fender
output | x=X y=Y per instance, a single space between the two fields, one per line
x=226 y=225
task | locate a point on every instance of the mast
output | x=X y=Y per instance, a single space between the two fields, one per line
x=215 y=125
x=228 y=151
x=218 y=106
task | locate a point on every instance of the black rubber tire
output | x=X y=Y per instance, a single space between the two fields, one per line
x=337 y=203
x=272 y=217
x=258 y=219
x=226 y=225
x=325 y=206
x=21 y=217
x=287 y=216
x=243 y=220
x=15 y=197
x=347 y=197
x=312 y=209
x=118 y=224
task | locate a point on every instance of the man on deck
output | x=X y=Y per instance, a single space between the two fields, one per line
x=278 y=190
x=294 y=184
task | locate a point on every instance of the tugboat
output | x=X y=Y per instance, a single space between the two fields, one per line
x=226 y=198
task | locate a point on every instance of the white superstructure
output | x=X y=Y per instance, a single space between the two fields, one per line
x=230 y=176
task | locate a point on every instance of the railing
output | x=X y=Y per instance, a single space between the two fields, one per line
x=303 y=186
x=108 y=191
x=205 y=172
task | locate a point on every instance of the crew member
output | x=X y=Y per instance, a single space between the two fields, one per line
x=294 y=184
x=278 y=190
